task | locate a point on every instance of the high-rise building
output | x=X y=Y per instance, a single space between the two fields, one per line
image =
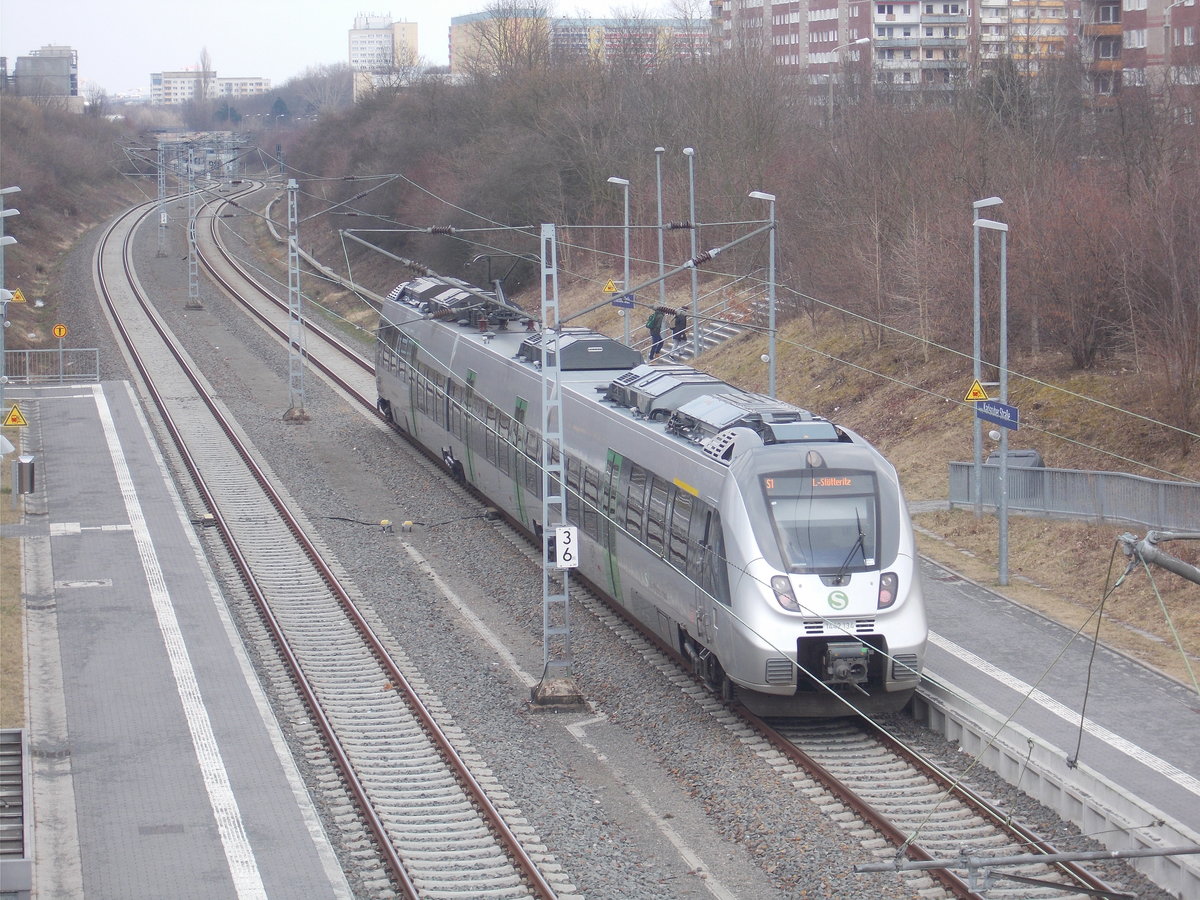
x=377 y=44
x=382 y=52
x=50 y=74
x=901 y=48
x=1148 y=45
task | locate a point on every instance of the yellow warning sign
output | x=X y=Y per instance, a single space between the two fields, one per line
x=14 y=417
x=60 y=331
x=976 y=393
x=17 y=296
x=611 y=287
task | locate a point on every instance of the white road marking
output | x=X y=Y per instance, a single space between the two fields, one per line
x=1130 y=749
x=243 y=867
x=474 y=620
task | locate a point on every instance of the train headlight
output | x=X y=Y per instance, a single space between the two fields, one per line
x=889 y=582
x=782 y=586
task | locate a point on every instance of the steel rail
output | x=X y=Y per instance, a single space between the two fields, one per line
x=478 y=795
x=333 y=745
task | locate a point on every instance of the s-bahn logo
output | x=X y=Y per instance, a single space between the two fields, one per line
x=838 y=600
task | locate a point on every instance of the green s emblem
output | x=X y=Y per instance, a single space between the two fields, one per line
x=838 y=600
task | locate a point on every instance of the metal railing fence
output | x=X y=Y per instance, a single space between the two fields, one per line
x=1109 y=497
x=66 y=366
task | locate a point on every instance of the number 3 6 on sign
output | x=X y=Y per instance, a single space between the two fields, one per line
x=566 y=542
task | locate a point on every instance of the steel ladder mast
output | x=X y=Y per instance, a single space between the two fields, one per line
x=557 y=684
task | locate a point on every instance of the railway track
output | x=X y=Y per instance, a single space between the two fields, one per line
x=920 y=811
x=435 y=831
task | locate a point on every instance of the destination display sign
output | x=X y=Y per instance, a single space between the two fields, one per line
x=795 y=485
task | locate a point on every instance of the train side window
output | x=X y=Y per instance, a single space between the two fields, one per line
x=681 y=517
x=420 y=401
x=573 y=489
x=475 y=423
x=551 y=477
x=591 y=502
x=387 y=336
x=656 y=516
x=459 y=406
x=406 y=350
x=489 y=434
x=610 y=499
x=385 y=351
x=442 y=391
x=533 y=462
x=635 y=500
x=503 y=443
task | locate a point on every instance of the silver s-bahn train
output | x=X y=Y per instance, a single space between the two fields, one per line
x=770 y=546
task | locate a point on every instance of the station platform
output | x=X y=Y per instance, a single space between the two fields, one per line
x=157 y=767
x=1107 y=728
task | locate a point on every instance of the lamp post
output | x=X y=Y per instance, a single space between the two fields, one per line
x=691 y=157
x=624 y=183
x=5 y=296
x=836 y=61
x=662 y=266
x=977 y=467
x=770 y=198
x=1003 y=504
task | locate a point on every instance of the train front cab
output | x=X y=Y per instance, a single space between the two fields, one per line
x=825 y=582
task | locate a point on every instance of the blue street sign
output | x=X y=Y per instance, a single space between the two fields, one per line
x=999 y=413
x=625 y=302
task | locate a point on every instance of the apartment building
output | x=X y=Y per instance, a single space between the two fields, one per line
x=916 y=48
x=174 y=88
x=50 y=74
x=648 y=42
x=1143 y=45
x=379 y=44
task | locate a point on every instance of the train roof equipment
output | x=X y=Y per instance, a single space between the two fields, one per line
x=446 y=298
x=581 y=350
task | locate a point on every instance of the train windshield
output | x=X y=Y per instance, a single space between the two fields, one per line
x=824 y=519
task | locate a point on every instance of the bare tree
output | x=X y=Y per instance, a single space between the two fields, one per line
x=198 y=112
x=633 y=43
x=96 y=99
x=1164 y=283
x=405 y=69
x=324 y=87
x=512 y=37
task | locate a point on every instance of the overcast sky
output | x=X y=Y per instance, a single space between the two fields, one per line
x=120 y=43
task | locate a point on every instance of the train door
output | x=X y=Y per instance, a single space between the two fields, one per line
x=708 y=570
x=680 y=548
x=517 y=437
x=609 y=526
x=468 y=419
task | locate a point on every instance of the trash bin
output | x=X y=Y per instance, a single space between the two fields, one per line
x=1026 y=478
x=25 y=476
x=1019 y=459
